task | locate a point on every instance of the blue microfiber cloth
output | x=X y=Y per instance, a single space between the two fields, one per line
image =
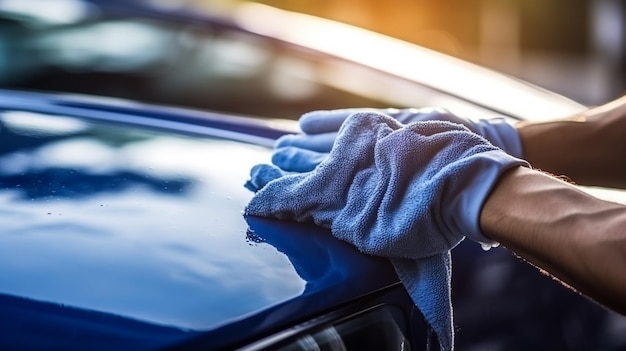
x=410 y=193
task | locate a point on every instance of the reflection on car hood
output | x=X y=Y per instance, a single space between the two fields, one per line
x=148 y=226
x=132 y=226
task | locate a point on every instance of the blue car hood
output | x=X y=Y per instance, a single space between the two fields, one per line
x=147 y=226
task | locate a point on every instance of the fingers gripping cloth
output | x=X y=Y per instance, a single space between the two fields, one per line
x=500 y=133
x=410 y=193
x=302 y=152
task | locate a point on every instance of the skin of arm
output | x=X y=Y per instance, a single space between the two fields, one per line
x=577 y=238
x=588 y=148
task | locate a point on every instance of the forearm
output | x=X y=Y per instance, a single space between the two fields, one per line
x=575 y=237
x=588 y=148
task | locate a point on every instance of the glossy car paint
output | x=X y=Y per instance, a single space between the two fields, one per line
x=122 y=228
x=135 y=235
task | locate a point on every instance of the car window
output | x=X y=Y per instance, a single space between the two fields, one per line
x=374 y=330
x=198 y=65
x=174 y=64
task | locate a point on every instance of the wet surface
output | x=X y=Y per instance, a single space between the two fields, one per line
x=133 y=223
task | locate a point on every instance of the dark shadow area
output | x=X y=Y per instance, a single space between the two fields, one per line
x=34 y=325
x=503 y=303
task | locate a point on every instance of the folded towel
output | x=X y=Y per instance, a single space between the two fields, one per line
x=410 y=193
x=319 y=130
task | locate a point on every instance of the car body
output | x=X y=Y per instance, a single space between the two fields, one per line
x=123 y=230
x=122 y=223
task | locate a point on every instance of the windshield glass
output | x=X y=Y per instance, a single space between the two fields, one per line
x=199 y=64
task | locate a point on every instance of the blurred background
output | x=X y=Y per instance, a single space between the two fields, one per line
x=249 y=58
x=574 y=47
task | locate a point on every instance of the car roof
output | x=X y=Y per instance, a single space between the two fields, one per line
x=134 y=212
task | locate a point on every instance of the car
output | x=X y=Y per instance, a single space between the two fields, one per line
x=122 y=225
x=123 y=229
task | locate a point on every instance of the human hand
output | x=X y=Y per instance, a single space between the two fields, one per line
x=302 y=152
x=394 y=190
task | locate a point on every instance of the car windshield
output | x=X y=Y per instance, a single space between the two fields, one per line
x=208 y=64
x=168 y=63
